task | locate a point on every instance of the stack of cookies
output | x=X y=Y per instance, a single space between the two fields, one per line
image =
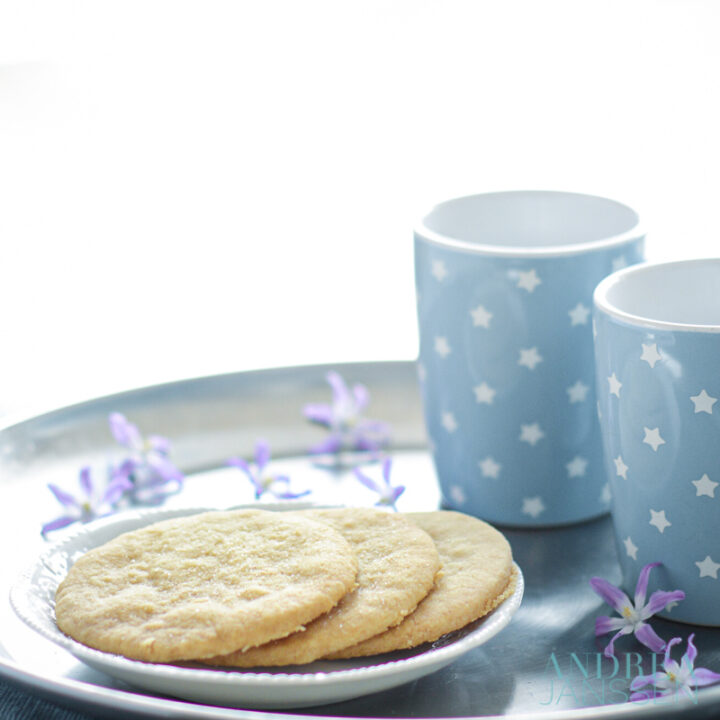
x=249 y=588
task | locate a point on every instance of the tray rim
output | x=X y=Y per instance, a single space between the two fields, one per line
x=17 y=417
x=81 y=695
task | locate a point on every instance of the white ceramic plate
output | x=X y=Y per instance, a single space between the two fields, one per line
x=318 y=683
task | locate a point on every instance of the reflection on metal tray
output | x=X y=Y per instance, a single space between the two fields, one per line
x=546 y=663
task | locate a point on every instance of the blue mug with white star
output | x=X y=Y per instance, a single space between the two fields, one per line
x=504 y=295
x=658 y=383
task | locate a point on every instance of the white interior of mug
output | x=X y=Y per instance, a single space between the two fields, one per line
x=682 y=295
x=529 y=222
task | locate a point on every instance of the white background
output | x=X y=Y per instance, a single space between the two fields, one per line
x=197 y=187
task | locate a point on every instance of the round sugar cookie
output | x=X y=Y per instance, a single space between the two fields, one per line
x=397 y=563
x=211 y=583
x=477 y=575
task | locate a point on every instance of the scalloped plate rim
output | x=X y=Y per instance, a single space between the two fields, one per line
x=390 y=672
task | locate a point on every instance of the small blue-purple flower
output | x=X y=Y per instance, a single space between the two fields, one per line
x=93 y=500
x=633 y=615
x=680 y=680
x=262 y=479
x=343 y=417
x=388 y=493
x=152 y=475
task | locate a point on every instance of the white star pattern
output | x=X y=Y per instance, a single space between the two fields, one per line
x=579 y=315
x=531 y=433
x=484 y=393
x=605 y=494
x=615 y=385
x=620 y=467
x=442 y=347
x=457 y=494
x=630 y=548
x=449 y=422
x=650 y=354
x=528 y=280
x=533 y=506
x=708 y=568
x=703 y=402
x=619 y=263
x=659 y=520
x=530 y=357
x=578 y=392
x=481 y=317
x=490 y=468
x=439 y=271
x=653 y=438
x=705 y=486
x=577 y=467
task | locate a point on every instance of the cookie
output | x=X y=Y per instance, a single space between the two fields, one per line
x=398 y=563
x=204 y=585
x=477 y=576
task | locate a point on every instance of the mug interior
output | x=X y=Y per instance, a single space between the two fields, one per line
x=675 y=295
x=527 y=220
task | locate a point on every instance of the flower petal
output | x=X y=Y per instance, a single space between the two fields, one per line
x=63 y=497
x=649 y=638
x=86 y=482
x=366 y=481
x=612 y=595
x=318 y=413
x=642 y=583
x=397 y=492
x=386 y=470
x=126 y=469
x=288 y=495
x=331 y=444
x=361 y=396
x=642 y=680
x=160 y=444
x=340 y=390
x=685 y=691
x=124 y=431
x=610 y=649
x=700 y=677
x=116 y=488
x=691 y=652
x=668 y=663
x=240 y=463
x=164 y=468
x=262 y=454
x=61 y=522
x=658 y=601
x=365 y=443
x=605 y=624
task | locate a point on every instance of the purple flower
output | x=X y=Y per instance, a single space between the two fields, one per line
x=388 y=494
x=262 y=479
x=633 y=614
x=93 y=500
x=677 y=679
x=349 y=430
x=148 y=468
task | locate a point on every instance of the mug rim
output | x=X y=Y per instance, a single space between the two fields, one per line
x=603 y=304
x=636 y=232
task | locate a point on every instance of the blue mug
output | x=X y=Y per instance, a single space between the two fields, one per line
x=658 y=384
x=504 y=295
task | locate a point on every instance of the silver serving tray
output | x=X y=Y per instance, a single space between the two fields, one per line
x=544 y=664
